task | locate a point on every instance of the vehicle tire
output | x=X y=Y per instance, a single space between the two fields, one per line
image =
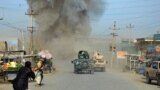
x=148 y=79
x=158 y=80
x=78 y=71
x=103 y=69
x=75 y=71
x=91 y=71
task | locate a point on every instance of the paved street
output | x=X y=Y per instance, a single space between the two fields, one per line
x=65 y=79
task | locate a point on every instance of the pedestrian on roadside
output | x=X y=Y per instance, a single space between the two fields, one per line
x=39 y=72
x=21 y=80
x=49 y=65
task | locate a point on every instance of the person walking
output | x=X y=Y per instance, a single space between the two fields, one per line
x=39 y=72
x=21 y=80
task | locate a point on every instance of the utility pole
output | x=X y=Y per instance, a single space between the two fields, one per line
x=113 y=42
x=1 y=18
x=31 y=14
x=130 y=27
x=22 y=39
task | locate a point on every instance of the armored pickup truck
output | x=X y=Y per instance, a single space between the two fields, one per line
x=152 y=72
x=83 y=63
x=100 y=63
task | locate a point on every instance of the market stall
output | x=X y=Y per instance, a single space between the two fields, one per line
x=10 y=64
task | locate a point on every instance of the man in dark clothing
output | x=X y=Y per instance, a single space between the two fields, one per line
x=21 y=81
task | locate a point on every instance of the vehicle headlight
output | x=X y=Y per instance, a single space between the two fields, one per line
x=77 y=63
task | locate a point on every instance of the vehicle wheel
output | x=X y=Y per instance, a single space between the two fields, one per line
x=158 y=80
x=78 y=71
x=148 y=79
x=91 y=71
x=103 y=69
x=75 y=71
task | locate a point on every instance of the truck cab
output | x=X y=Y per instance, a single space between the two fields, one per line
x=152 y=72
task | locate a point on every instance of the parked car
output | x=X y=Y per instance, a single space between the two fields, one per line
x=152 y=72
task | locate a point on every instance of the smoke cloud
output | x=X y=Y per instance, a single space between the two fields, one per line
x=62 y=23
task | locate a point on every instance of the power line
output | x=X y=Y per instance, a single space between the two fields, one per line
x=131 y=1
x=16 y=28
x=153 y=15
x=137 y=6
x=131 y=13
x=11 y=26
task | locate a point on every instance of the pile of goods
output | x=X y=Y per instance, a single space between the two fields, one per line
x=11 y=66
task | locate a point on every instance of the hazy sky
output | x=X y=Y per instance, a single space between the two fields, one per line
x=143 y=14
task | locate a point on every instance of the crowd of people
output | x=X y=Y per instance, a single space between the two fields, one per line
x=34 y=73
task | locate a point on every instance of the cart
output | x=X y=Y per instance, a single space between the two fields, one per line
x=9 y=75
x=8 y=71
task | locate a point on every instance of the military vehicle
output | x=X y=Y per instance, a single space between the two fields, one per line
x=100 y=63
x=83 y=63
x=152 y=72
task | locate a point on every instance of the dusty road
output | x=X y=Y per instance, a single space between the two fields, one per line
x=65 y=79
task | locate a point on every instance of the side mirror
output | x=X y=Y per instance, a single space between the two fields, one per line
x=72 y=61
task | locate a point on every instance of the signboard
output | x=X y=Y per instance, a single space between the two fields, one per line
x=121 y=54
x=157 y=48
x=153 y=51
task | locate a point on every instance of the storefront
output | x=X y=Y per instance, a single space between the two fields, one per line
x=147 y=47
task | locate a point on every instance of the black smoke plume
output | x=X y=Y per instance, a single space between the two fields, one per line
x=63 y=23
